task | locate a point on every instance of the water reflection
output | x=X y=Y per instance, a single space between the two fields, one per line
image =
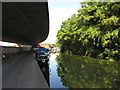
x=44 y=66
x=55 y=80
x=85 y=72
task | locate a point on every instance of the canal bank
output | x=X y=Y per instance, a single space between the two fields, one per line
x=22 y=71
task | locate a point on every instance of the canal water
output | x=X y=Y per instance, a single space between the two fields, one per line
x=71 y=71
x=55 y=80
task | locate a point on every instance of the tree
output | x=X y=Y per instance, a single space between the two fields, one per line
x=94 y=31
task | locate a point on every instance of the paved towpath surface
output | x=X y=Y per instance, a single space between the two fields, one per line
x=22 y=71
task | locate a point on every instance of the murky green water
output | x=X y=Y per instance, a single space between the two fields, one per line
x=86 y=72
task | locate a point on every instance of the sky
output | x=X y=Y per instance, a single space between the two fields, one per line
x=59 y=11
x=6 y=44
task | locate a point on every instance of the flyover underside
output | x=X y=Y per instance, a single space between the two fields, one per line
x=25 y=22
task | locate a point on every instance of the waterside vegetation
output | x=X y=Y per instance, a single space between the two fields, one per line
x=94 y=31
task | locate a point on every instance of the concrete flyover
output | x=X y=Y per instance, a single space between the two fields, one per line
x=25 y=22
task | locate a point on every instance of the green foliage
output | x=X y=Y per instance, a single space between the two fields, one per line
x=94 y=31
